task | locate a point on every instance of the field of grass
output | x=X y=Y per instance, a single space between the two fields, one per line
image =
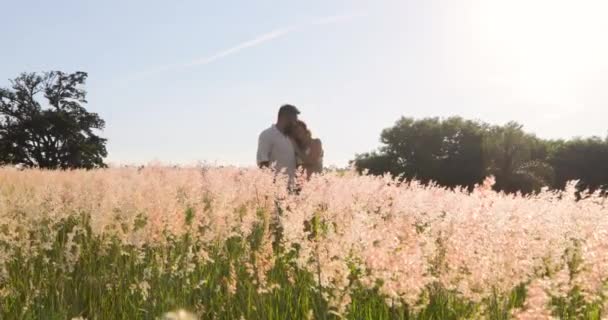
x=231 y=243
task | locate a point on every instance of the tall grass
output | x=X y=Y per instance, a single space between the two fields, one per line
x=231 y=243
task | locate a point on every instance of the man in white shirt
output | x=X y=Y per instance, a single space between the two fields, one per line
x=275 y=148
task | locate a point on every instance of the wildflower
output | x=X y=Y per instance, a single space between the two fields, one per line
x=179 y=315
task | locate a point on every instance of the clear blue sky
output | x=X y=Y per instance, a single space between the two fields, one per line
x=182 y=81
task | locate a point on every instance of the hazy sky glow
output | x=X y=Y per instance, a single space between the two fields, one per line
x=184 y=81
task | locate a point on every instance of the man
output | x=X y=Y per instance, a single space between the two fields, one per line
x=275 y=146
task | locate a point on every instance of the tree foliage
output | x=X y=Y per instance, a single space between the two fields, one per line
x=585 y=160
x=57 y=134
x=457 y=152
x=516 y=159
x=448 y=152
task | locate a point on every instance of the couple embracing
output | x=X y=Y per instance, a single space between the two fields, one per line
x=288 y=144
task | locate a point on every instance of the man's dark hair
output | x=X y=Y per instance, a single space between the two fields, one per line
x=287 y=110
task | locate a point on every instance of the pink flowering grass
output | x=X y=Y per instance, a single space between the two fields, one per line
x=231 y=243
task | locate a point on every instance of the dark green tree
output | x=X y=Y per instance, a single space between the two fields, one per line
x=59 y=134
x=457 y=152
x=517 y=159
x=585 y=160
x=447 y=152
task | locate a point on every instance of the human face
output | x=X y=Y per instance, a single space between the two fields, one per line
x=291 y=122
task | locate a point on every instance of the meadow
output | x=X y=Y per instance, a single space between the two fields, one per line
x=232 y=243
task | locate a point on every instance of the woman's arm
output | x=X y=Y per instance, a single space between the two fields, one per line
x=314 y=157
x=316 y=150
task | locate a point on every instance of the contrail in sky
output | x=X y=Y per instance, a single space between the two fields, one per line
x=256 y=41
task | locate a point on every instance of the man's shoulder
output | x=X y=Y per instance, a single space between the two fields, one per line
x=268 y=132
x=269 y=129
x=267 y=135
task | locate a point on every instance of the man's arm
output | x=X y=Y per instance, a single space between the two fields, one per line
x=263 y=155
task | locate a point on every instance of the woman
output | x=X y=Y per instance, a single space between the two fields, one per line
x=309 y=150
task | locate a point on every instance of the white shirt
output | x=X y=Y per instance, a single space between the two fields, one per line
x=275 y=147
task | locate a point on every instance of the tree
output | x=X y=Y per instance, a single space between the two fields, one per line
x=457 y=152
x=585 y=160
x=58 y=135
x=376 y=163
x=516 y=159
x=447 y=152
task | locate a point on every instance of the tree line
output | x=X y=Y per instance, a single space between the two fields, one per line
x=458 y=152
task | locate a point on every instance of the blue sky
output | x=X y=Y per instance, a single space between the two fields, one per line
x=186 y=81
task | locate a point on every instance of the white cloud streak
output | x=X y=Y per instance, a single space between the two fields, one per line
x=258 y=40
x=266 y=37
